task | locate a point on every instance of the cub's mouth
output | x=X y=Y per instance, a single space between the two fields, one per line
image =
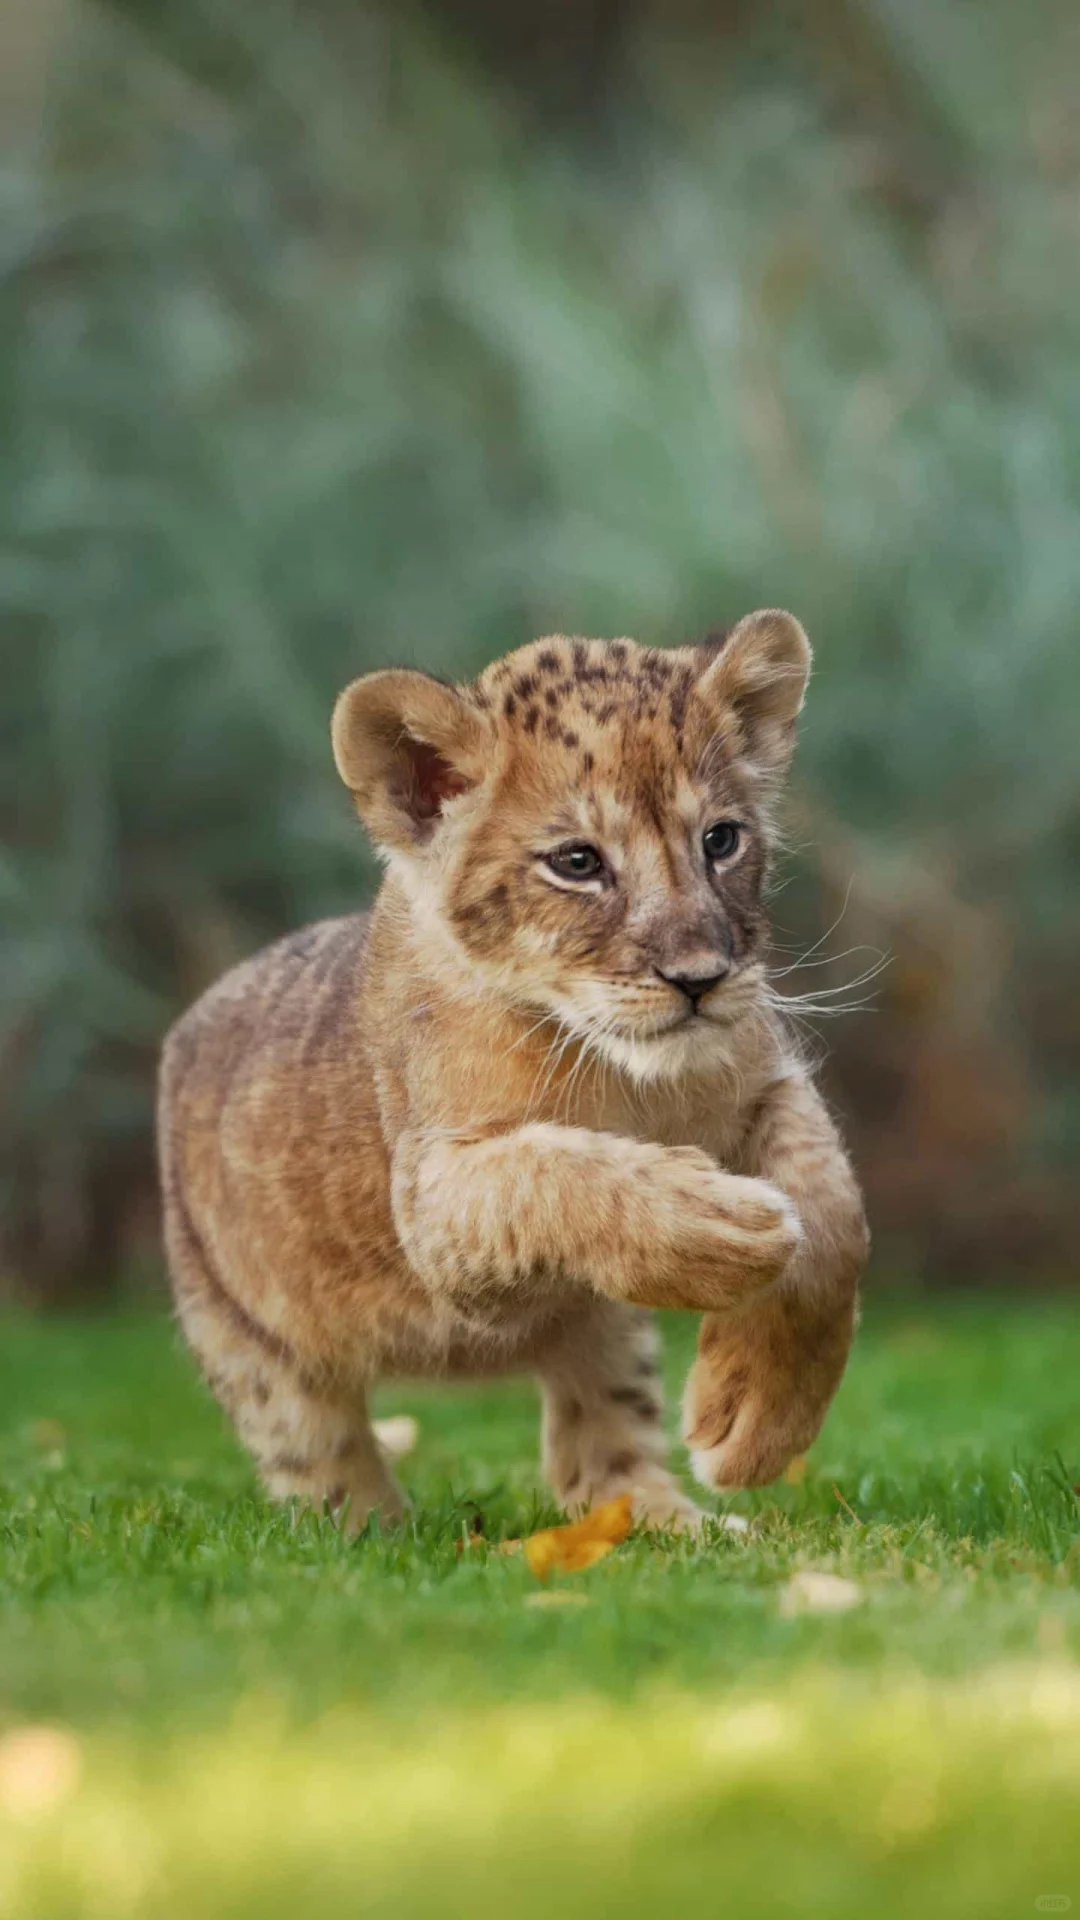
x=693 y=1019
x=722 y=1008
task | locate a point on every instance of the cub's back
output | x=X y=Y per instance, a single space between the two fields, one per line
x=292 y=1000
x=274 y=1042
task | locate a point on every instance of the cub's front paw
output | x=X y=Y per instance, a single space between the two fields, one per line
x=759 y=1390
x=754 y=1220
x=719 y=1236
x=755 y=1455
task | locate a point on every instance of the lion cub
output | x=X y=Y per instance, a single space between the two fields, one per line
x=541 y=1088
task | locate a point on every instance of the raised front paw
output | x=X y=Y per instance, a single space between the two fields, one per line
x=717 y=1237
x=759 y=1390
x=755 y=1450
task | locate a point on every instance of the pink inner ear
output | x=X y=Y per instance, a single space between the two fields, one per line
x=434 y=780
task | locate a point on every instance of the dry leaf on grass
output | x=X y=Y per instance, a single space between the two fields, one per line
x=581 y=1544
x=396 y=1435
x=811 y=1592
x=571 y=1548
x=795 y=1471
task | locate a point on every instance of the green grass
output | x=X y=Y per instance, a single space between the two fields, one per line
x=268 y=1717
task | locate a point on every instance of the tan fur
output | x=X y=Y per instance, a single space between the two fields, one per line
x=485 y=1131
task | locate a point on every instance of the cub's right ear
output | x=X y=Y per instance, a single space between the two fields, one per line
x=406 y=746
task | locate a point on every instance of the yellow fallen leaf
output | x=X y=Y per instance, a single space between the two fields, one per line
x=581 y=1544
x=795 y=1471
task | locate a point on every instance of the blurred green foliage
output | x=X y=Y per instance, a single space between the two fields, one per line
x=332 y=336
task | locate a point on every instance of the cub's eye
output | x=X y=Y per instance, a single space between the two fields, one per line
x=722 y=840
x=575 y=862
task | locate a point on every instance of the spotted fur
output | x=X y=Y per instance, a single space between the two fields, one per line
x=488 y=1130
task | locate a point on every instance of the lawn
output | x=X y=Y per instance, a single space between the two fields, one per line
x=246 y=1714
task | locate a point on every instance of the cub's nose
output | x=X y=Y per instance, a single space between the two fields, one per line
x=696 y=985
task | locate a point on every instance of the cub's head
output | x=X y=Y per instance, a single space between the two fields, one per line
x=587 y=823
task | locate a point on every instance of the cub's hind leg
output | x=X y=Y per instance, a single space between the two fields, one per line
x=309 y=1443
x=603 y=1428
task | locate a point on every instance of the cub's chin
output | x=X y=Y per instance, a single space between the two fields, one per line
x=695 y=1044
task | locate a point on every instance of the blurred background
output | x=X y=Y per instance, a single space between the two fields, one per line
x=340 y=334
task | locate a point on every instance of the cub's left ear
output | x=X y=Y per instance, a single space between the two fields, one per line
x=760 y=675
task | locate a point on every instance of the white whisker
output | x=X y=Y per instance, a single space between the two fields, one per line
x=826 y=960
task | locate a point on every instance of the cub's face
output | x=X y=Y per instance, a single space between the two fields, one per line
x=587 y=823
